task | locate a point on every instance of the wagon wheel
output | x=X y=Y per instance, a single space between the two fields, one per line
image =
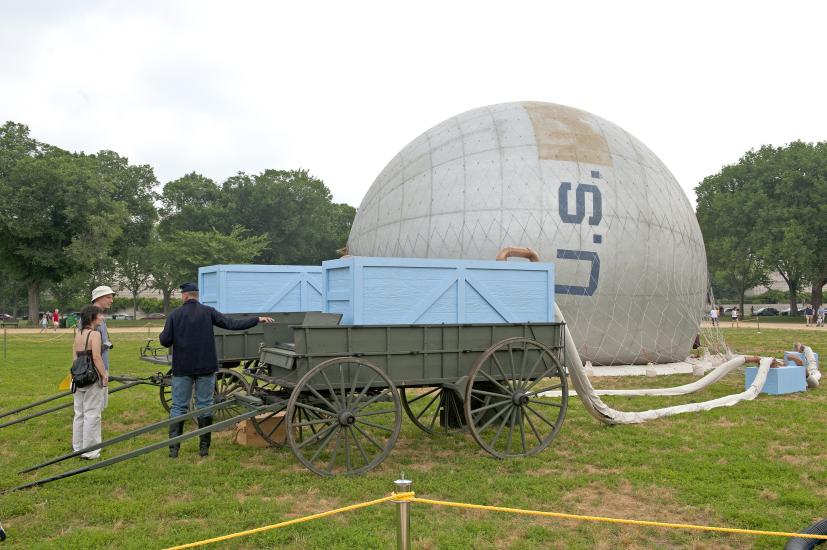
x=353 y=413
x=228 y=383
x=165 y=391
x=504 y=410
x=441 y=412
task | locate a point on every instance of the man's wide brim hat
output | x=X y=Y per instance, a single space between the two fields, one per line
x=102 y=291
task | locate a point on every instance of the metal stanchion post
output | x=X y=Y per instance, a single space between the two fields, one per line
x=403 y=515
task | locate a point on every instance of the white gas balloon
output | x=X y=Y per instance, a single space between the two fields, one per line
x=586 y=195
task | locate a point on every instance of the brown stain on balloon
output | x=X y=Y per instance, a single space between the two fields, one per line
x=565 y=134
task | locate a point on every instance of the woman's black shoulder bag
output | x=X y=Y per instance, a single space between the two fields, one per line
x=83 y=369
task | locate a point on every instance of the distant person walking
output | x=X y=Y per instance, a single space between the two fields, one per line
x=55 y=319
x=822 y=311
x=189 y=331
x=713 y=314
x=735 y=317
x=808 y=314
x=44 y=323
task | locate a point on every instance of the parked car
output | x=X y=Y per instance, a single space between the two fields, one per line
x=799 y=311
x=155 y=316
x=121 y=317
x=6 y=317
x=766 y=312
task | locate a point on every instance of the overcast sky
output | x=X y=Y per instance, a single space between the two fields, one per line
x=340 y=87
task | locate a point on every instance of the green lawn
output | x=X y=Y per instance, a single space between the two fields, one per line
x=758 y=465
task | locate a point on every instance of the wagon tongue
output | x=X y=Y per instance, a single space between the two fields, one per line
x=252 y=411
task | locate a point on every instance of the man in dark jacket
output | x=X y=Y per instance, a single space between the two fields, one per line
x=189 y=330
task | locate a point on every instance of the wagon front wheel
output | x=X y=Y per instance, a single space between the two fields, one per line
x=344 y=417
x=516 y=398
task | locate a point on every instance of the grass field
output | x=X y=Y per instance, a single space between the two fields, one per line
x=758 y=465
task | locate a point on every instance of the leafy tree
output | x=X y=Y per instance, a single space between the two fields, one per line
x=767 y=212
x=134 y=272
x=294 y=210
x=195 y=249
x=192 y=203
x=56 y=216
x=729 y=230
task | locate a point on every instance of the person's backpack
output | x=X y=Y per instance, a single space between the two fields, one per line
x=83 y=369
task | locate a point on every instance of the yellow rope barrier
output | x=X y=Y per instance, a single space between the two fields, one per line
x=608 y=520
x=395 y=496
x=411 y=497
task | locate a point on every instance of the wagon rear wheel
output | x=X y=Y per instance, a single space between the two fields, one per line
x=344 y=417
x=516 y=398
x=437 y=410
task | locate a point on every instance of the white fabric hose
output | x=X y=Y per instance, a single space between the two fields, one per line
x=608 y=415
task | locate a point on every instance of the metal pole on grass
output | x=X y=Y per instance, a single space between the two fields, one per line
x=403 y=515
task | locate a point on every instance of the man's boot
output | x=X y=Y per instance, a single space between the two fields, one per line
x=204 y=439
x=175 y=429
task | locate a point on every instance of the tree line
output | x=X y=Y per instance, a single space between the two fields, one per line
x=768 y=213
x=70 y=221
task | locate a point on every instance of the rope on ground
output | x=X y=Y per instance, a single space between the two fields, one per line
x=394 y=496
x=606 y=519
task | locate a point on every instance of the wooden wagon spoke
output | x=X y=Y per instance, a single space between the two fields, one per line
x=359 y=446
x=501 y=370
x=499 y=403
x=332 y=463
x=428 y=406
x=369 y=437
x=374 y=413
x=505 y=421
x=544 y=390
x=521 y=423
x=374 y=425
x=332 y=391
x=376 y=397
x=534 y=428
x=317 y=410
x=314 y=422
x=495 y=382
x=324 y=443
x=546 y=403
x=332 y=408
x=541 y=417
x=423 y=395
x=365 y=390
x=492 y=394
x=511 y=430
x=549 y=371
x=327 y=432
x=525 y=380
x=493 y=418
x=347 y=450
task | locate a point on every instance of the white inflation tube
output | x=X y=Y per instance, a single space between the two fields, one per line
x=608 y=415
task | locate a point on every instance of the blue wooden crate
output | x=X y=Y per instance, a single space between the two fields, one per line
x=780 y=380
x=261 y=288
x=379 y=291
